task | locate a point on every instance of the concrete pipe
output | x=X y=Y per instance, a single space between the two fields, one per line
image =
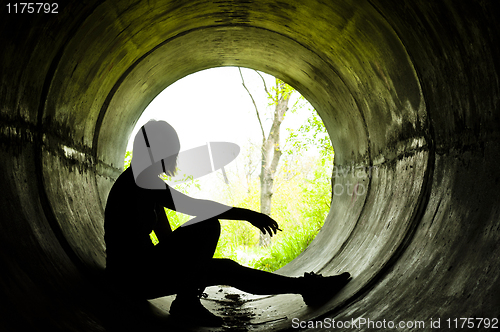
x=408 y=90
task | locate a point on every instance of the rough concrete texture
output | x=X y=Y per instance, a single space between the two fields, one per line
x=409 y=88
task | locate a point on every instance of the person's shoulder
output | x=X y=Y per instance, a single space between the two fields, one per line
x=125 y=181
x=122 y=190
x=126 y=175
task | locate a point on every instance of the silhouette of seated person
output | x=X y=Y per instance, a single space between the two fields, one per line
x=182 y=261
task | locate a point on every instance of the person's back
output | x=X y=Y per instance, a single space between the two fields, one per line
x=129 y=218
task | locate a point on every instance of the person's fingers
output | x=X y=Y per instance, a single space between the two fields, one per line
x=267 y=225
x=273 y=230
x=274 y=227
x=271 y=226
x=273 y=223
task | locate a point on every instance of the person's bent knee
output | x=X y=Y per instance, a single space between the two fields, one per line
x=211 y=227
x=227 y=262
x=205 y=234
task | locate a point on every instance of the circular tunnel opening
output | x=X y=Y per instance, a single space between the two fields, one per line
x=239 y=105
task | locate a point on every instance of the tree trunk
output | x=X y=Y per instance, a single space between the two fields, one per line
x=271 y=154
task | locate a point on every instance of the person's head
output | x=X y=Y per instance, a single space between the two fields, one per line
x=156 y=147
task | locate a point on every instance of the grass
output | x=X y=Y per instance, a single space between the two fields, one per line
x=239 y=242
x=283 y=250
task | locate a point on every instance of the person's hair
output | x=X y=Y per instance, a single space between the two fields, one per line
x=156 y=148
x=171 y=165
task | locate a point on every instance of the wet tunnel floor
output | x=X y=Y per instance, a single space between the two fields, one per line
x=240 y=311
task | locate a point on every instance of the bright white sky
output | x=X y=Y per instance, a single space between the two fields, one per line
x=212 y=105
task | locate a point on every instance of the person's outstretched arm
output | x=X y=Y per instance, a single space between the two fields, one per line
x=205 y=209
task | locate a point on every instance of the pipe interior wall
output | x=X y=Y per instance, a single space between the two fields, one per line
x=408 y=91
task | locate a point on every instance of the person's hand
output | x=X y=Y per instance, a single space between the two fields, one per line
x=265 y=223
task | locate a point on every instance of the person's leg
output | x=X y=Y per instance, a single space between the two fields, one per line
x=189 y=254
x=176 y=261
x=198 y=243
x=187 y=304
x=193 y=247
x=228 y=272
x=314 y=288
x=186 y=263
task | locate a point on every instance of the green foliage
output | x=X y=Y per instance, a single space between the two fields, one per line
x=311 y=134
x=305 y=217
x=236 y=235
x=280 y=91
x=288 y=248
x=317 y=192
x=300 y=205
x=127 y=160
x=301 y=199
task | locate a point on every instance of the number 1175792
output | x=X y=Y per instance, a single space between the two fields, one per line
x=33 y=8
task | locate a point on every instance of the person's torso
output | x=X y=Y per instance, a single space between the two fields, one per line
x=129 y=219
